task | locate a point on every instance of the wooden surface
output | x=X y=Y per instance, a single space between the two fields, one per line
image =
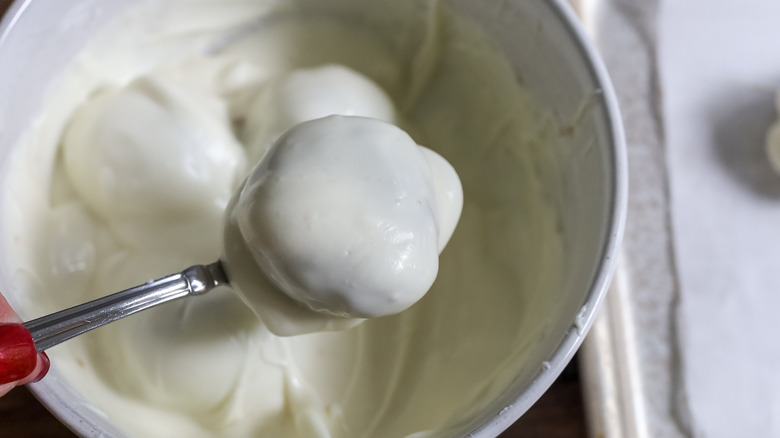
x=558 y=414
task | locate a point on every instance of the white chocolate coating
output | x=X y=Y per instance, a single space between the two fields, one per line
x=308 y=94
x=342 y=215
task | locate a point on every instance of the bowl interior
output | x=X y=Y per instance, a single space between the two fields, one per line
x=39 y=39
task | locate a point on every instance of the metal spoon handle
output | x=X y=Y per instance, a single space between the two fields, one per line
x=50 y=330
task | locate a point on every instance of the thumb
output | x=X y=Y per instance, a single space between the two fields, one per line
x=19 y=362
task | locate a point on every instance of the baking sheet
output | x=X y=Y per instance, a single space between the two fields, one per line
x=686 y=344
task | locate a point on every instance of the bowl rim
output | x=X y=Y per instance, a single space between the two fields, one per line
x=44 y=391
x=618 y=203
x=610 y=249
x=12 y=15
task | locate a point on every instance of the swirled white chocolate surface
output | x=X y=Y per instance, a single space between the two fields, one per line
x=128 y=172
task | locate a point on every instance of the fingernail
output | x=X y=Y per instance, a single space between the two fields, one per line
x=18 y=357
x=44 y=370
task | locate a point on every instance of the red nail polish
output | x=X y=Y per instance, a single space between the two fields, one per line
x=44 y=370
x=17 y=353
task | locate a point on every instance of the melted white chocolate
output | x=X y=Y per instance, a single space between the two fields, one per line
x=206 y=366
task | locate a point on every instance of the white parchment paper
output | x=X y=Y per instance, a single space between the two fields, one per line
x=720 y=70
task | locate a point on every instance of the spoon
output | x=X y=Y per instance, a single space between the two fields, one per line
x=50 y=330
x=389 y=272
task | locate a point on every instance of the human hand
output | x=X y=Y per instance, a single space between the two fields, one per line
x=19 y=362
